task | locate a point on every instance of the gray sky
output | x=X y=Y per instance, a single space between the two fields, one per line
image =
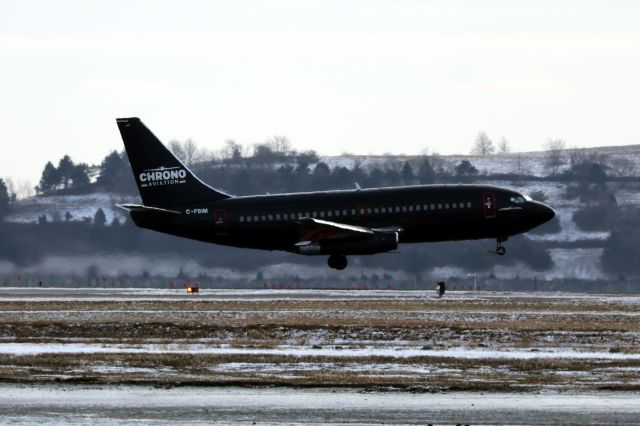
x=334 y=76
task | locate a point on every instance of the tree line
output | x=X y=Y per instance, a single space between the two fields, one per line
x=275 y=167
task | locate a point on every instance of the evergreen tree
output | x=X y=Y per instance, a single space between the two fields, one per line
x=50 y=178
x=80 y=175
x=66 y=170
x=426 y=174
x=407 y=173
x=4 y=199
x=115 y=173
x=99 y=219
x=465 y=168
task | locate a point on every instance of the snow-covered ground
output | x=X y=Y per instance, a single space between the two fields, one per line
x=471 y=341
x=81 y=207
x=21 y=349
x=134 y=405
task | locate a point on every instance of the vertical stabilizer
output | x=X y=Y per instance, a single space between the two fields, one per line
x=162 y=179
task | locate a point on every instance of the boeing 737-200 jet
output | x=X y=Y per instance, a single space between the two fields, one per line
x=330 y=223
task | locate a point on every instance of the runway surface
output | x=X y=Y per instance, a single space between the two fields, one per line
x=97 y=405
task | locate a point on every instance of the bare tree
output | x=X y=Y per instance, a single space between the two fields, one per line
x=233 y=151
x=554 y=156
x=483 y=145
x=504 y=146
x=520 y=166
x=24 y=189
x=176 y=147
x=191 y=152
x=188 y=152
x=11 y=188
x=279 y=144
x=622 y=166
x=577 y=156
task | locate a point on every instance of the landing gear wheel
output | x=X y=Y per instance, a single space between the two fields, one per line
x=337 y=261
x=500 y=251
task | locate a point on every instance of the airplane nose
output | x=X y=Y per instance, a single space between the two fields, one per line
x=549 y=213
x=543 y=213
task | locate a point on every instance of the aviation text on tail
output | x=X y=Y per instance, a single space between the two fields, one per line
x=162 y=179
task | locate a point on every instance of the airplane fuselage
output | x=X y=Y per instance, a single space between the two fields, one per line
x=333 y=223
x=426 y=213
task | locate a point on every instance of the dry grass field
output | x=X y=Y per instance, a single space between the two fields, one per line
x=481 y=342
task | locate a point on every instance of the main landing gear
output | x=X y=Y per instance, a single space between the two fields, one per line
x=500 y=250
x=337 y=261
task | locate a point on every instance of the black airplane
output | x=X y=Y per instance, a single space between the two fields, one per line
x=332 y=223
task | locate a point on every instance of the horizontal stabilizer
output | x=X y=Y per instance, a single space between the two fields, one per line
x=146 y=209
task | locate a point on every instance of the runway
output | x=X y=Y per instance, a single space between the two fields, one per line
x=159 y=356
x=123 y=405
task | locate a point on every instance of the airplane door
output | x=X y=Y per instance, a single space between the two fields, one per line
x=220 y=221
x=489 y=205
x=361 y=213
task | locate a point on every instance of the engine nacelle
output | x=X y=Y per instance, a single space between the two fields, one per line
x=378 y=242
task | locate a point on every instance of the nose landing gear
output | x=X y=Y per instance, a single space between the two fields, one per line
x=500 y=250
x=337 y=261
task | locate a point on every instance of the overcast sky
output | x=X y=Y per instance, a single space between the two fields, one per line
x=334 y=76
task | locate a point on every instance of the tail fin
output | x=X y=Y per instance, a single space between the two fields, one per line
x=163 y=181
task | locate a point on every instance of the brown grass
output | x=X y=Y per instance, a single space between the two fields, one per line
x=502 y=323
x=461 y=374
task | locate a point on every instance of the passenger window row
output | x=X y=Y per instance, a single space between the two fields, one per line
x=329 y=214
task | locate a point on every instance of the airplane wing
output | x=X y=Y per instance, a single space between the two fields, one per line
x=315 y=230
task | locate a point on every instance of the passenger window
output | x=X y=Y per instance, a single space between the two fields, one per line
x=329 y=213
x=369 y=211
x=321 y=214
x=454 y=205
x=446 y=206
x=469 y=204
x=353 y=212
x=344 y=212
x=418 y=208
x=263 y=217
x=255 y=218
x=241 y=218
x=433 y=207
x=248 y=218
x=397 y=209
x=270 y=217
x=410 y=208
x=404 y=208
x=439 y=206
x=315 y=214
x=383 y=209
x=278 y=216
x=376 y=210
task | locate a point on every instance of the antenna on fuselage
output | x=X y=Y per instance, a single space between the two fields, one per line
x=358 y=188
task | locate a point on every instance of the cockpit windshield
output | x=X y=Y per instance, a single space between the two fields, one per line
x=518 y=199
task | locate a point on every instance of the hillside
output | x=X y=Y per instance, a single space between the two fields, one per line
x=576 y=253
